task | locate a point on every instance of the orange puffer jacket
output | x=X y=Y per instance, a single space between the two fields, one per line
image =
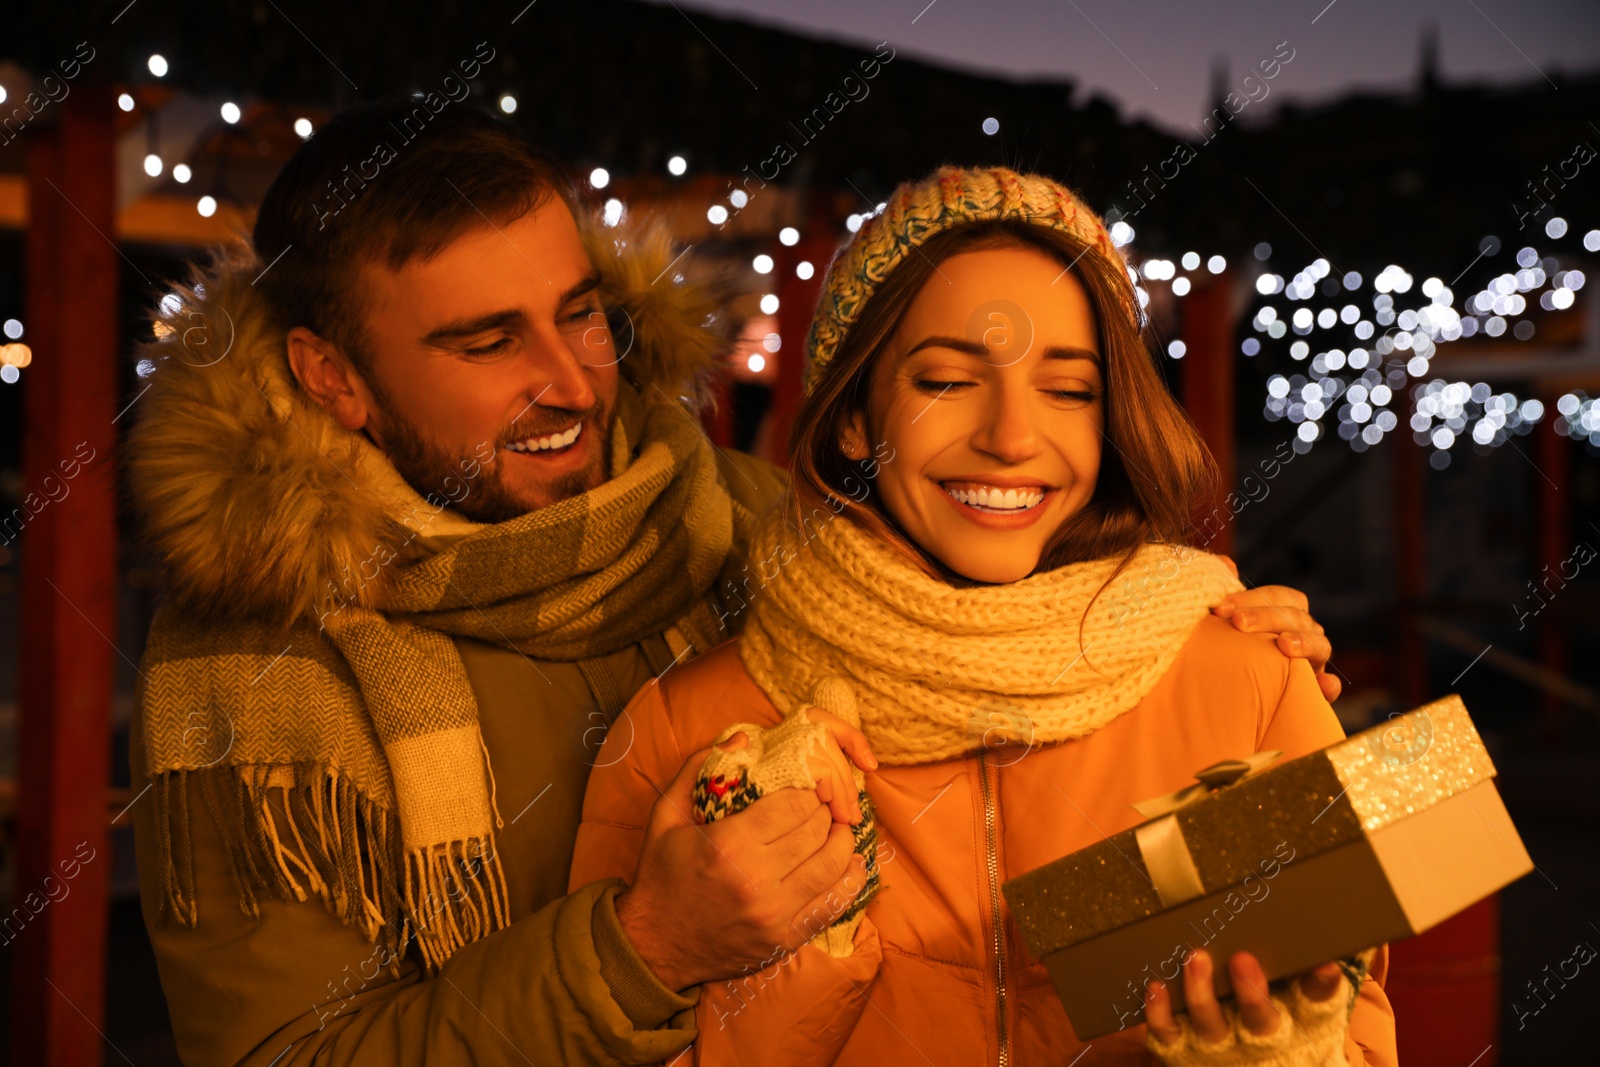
x=939 y=974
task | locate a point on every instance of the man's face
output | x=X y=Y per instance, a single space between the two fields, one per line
x=492 y=373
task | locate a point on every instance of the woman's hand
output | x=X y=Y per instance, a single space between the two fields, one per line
x=1280 y=610
x=836 y=784
x=842 y=745
x=1256 y=1010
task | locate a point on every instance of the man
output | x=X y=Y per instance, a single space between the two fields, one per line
x=427 y=524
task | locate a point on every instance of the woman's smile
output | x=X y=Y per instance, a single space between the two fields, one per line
x=996 y=503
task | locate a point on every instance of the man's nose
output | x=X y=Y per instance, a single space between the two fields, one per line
x=561 y=377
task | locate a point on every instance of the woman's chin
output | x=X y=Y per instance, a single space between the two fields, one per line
x=995 y=568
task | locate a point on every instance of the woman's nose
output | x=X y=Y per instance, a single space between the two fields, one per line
x=1009 y=433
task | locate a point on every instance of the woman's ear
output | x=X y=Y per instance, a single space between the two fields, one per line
x=853 y=437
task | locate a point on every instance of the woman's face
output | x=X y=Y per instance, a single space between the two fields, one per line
x=991 y=394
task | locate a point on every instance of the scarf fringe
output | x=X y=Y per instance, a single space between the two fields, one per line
x=308 y=832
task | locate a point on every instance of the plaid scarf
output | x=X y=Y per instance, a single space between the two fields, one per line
x=332 y=757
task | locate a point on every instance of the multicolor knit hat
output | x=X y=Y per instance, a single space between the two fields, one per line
x=919 y=210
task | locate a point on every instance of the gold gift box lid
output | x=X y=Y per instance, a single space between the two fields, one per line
x=1315 y=803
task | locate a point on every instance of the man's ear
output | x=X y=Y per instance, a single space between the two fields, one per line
x=853 y=437
x=327 y=377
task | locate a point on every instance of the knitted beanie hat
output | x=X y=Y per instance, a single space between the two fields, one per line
x=919 y=210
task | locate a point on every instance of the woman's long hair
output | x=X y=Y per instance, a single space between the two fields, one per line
x=1155 y=471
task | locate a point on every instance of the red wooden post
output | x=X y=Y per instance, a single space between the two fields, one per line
x=1552 y=457
x=1444 y=986
x=717 y=420
x=68 y=586
x=1208 y=387
x=797 y=300
x=1411 y=557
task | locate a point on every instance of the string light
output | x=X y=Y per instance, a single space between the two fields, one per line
x=1356 y=386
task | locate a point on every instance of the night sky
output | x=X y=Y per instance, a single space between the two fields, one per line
x=1155 y=59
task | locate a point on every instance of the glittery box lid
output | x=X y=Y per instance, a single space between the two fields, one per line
x=1311 y=805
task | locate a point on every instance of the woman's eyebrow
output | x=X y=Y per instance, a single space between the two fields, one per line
x=1067 y=352
x=958 y=344
x=974 y=348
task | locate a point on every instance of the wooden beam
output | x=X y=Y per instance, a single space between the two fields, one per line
x=155 y=220
x=68 y=592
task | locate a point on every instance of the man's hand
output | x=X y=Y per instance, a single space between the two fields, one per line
x=1278 y=609
x=709 y=900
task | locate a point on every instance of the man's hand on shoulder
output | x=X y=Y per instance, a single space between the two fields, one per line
x=1284 y=611
x=709 y=900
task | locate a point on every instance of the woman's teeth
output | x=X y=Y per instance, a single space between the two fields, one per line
x=545 y=444
x=991 y=499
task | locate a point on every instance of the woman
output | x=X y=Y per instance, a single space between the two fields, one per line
x=981 y=562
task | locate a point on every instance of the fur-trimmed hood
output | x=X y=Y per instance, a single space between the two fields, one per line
x=242 y=482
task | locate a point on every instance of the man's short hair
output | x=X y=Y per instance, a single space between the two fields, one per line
x=388 y=182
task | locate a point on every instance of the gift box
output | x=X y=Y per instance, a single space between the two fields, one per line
x=1375 y=838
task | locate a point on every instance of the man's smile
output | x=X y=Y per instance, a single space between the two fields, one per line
x=555 y=442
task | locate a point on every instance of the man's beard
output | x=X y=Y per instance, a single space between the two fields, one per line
x=448 y=480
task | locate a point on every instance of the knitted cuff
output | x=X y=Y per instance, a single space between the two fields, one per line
x=779 y=757
x=1309 y=1034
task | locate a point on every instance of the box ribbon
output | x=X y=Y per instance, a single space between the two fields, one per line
x=1166 y=854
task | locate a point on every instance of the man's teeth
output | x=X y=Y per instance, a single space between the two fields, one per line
x=544 y=444
x=998 y=499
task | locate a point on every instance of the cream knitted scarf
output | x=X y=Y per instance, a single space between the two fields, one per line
x=939 y=671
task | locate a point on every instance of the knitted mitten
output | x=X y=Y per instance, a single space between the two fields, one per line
x=1309 y=1033
x=790 y=755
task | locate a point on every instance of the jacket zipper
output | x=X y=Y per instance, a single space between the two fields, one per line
x=992 y=856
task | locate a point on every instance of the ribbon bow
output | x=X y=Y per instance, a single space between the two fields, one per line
x=1207 y=781
x=1166 y=854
